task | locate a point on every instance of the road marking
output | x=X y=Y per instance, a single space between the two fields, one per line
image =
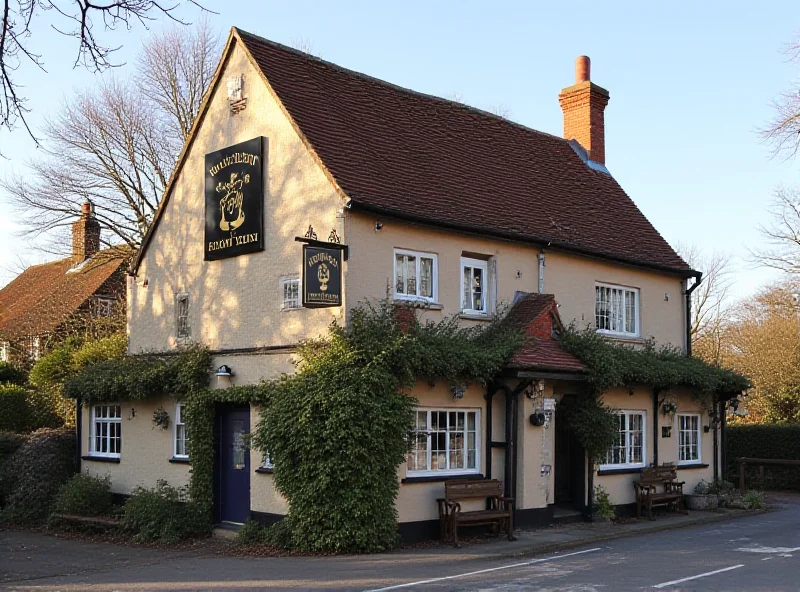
x=482 y=571
x=702 y=575
x=771 y=550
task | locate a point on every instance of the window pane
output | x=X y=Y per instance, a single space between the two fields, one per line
x=477 y=289
x=466 y=280
x=237 y=444
x=411 y=275
x=426 y=277
x=400 y=281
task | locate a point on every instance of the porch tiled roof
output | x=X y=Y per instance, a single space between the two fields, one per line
x=537 y=316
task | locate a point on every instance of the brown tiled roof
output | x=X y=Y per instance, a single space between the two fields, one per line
x=537 y=315
x=398 y=152
x=43 y=296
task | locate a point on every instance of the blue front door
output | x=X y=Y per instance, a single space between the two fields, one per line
x=234 y=466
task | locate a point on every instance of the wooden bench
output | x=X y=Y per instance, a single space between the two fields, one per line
x=499 y=512
x=648 y=495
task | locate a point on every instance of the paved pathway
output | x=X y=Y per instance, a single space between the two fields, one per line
x=750 y=553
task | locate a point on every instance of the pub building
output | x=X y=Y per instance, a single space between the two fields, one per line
x=306 y=188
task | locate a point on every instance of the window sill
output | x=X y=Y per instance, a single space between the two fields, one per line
x=439 y=478
x=474 y=316
x=265 y=470
x=620 y=471
x=419 y=303
x=690 y=466
x=292 y=309
x=107 y=459
x=623 y=337
x=180 y=460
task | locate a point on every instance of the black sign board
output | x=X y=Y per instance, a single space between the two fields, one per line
x=235 y=200
x=322 y=276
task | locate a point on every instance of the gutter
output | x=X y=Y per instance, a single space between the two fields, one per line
x=698 y=275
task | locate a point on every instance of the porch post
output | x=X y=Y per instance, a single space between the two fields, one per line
x=655 y=427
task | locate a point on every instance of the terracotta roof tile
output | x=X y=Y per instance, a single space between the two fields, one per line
x=536 y=315
x=400 y=152
x=43 y=296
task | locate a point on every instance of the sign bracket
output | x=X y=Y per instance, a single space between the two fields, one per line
x=325 y=245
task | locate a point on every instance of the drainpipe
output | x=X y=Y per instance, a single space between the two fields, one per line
x=541 y=272
x=655 y=427
x=490 y=392
x=78 y=432
x=698 y=275
x=508 y=476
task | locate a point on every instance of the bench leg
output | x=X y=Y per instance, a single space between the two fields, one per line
x=455 y=532
x=638 y=509
x=510 y=524
x=650 y=511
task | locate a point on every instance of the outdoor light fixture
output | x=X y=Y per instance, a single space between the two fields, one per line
x=224 y=371
x=458 y=389
x=378 y=226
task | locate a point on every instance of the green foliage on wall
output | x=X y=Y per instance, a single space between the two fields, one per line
x=135 y=378
x=594 y=424
x=614 y=365
x=765 y=441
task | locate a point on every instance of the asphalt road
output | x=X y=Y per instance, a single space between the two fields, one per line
x=755 y=553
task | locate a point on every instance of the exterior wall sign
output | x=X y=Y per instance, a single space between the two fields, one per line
x=235 y=200
x=322 y=276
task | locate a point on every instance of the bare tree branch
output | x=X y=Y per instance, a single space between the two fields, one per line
x=781 y=249
x=782 y=132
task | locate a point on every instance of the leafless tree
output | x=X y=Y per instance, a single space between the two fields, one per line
x=84 y=20
x=783 y=131
x=116 y=145
x=782 y=236
x=709 y=300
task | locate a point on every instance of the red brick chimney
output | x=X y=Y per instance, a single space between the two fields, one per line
x=85 y=234
x=583 y=105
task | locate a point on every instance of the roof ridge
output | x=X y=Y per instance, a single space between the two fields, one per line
x=397 y=87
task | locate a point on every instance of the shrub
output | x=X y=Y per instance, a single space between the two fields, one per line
x=278 y=535
x=85 y=495
x=162 y=514
x=14 y=409
x=12 y=374
x=10 y=442
x=753 y=500
x=702 y=488
x=766 y=441
x=721 y=487
x=33 y=475
x=53 y=368
x=602 y=503
x=100 y=350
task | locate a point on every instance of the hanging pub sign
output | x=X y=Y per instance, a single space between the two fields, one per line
x=322 y=276
x=235 y=200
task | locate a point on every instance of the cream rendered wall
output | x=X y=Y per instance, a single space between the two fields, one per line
x=235 y=302
x=146 y=449
x=536 y=448
x=620 y=487
x=570 y=278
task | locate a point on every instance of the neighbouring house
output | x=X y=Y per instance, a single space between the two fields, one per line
x=306 y=188
x=47 y=303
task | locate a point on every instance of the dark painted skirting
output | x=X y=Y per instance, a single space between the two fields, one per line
x=422 y=530
x=626 y=510
x=690 y=467
x=534 y=517
x=100 y=459
x=265 y=518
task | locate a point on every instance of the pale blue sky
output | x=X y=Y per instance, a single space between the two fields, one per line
x=690 y=84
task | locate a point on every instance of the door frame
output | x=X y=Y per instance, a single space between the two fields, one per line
x=220 y=412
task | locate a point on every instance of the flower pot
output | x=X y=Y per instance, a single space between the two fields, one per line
x=713 y=502
x=696 y=502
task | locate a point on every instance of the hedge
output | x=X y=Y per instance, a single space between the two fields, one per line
x=14 y=410
x=766 y=441
x=12 y=374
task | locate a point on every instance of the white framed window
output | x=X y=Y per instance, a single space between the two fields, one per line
x=616 y=310
x=290 y=289
x=106 y=434
x=103 y=307
x=181 y=449
x=182 y=315
x=474 y=286
x=628 y=450
x=33 y=348
x=445 y=441
x=5 y=351
x=415 y=276
x=689 y=439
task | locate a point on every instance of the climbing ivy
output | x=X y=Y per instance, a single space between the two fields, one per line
x=615 y=365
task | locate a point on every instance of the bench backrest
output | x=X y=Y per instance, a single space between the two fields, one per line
x=483 y=488
x=659 y=474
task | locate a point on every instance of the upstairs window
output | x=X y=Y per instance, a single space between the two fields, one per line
x=5 y=351
x=616 y=310
x=474 y=286
x=290 y=288
x=103 y=307
x=106 y=435
x=415 y=276
x=182 y=315
x=33 y=348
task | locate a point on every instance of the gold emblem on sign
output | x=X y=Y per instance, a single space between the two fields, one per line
x=324 y=276
x=231 y=205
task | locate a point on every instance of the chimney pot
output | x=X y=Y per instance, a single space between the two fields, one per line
x=583 y=69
